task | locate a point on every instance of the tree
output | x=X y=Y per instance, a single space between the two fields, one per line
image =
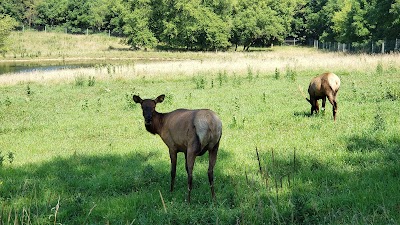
x=195 y=26
x=52 y=12
x=7 y=23
x=136 y=26
x=105 y=14
x=350 y=24
x=256 y=22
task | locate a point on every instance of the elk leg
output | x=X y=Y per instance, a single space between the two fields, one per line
x=173 y=157
x=323 y=103
x=316 y=106
x=191 y=156
x=212 y=160
x=332 y=100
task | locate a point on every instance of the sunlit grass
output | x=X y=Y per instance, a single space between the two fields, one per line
x=81 y=154
x=86 y=146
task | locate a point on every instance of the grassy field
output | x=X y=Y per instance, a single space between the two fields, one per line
x=74 y=150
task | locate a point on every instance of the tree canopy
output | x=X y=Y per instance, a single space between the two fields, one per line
x=214 y=24
x=7 y=23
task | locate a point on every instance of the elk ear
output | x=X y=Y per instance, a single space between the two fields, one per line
x=137 y=99
x=160 y=99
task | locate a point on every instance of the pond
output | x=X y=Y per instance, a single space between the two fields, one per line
x=22 y=67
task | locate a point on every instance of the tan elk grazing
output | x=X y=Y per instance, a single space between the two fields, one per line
x=321 y=87
x=192 y=132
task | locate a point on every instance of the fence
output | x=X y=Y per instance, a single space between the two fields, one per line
x=382 y=46
x=59 y=29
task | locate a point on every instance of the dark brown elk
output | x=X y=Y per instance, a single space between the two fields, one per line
x=324 y=86
x=192 y=132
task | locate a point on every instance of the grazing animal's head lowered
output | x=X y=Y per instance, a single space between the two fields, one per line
x=192 y=132
x=321 y=87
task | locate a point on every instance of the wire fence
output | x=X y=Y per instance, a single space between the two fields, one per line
x=382 y=46
x=58 y=29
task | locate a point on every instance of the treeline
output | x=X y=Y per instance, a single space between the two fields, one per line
x=214 y=24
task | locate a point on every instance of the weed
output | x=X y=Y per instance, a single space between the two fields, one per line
x=80 y=80
x=222 y=77
x=1 y=158
x=85 y=104
x=277 y=74
x=91 y=81
x=379 y=122
x=291 y=74
x=28 y=90
x=379 y=68
x=130 y=104
x=7 y=102
x=10 y=157
x=250 y=74
x=110 y=69
x=200 y=82
x=392 y=94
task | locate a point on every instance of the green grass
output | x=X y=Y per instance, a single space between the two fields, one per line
x=81 y=155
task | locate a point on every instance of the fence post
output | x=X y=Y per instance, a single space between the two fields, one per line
x=383 y=47
x=396 y=46
x=316 y=44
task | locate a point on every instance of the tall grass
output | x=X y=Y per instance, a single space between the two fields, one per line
x=81 y=154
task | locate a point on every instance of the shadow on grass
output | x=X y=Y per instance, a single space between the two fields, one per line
x=100 y=189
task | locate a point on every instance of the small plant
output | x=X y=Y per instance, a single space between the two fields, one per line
x=250 y=74
x=379 y=68
x=200 y=82
x=91 y=81
x=79 y=80
x=130 y=104
x=236 y=103
x=28 y=90
x=222 y=77
x=379 y=122
x=7 y=102
x=1 y=159
x=10 y=158
x=277 y=74
x=392 y=94
x=291 y=74
x=85 y=104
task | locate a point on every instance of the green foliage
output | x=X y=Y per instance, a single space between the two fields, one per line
x=194 y=26
x=7 y=24
x=216 y=24
x=9 y=157
x=255 y=22
x=200 y=81
x=137 y=28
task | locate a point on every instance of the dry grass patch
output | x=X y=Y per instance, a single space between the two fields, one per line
x=231 y=63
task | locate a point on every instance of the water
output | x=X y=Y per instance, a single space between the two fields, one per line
x=30 y=67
